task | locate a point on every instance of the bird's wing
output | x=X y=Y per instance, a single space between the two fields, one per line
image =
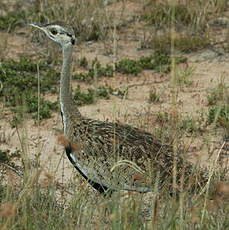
x=115 y=155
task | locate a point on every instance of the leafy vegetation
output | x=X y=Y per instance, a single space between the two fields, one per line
x=12 y=20
x=89 y=97
x=101 y=92
x=95 y=71
x=20 y=76
x=129 y=66
x=158 y=61
x=83 y=62
x=44 y=107
x=20 y=84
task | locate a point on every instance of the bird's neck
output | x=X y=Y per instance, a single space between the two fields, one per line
x=65 y=73
x=67 y=104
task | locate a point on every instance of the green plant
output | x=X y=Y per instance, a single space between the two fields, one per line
x=189 y=125
x=82 y=98
x=218 y=100
x=99 y=71
x=11 y=20
x=83 y=62
x=159 y=61
x=4 y=156
x=45 y=107
x=30 y=104
x=183 y=76
x=95 y=71
x=163 y=117
x=67 y=202
x=89 y=97
x=9 y=158
x=128 y=66
x=219 y=115
x=182 y=14
x=19 y=72
x=21 y=76
x=219 y=94
x=103 y=92
x=19 y=80
x=160 y=14
x=89 y=18
x=185 y=43
x=154 y=97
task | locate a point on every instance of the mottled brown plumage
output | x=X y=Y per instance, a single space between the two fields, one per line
x=111 y=155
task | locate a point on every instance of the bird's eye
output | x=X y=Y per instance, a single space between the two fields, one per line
x=53 y=31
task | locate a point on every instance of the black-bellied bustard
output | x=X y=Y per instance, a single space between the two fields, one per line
x=111 y=156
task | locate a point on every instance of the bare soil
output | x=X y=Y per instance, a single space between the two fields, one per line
x=136 y=110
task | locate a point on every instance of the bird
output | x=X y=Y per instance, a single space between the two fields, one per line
x=110 y=156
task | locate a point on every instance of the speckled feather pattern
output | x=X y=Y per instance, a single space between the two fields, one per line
x=112 y=155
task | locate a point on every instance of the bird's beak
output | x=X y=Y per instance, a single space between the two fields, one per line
x=39 y=26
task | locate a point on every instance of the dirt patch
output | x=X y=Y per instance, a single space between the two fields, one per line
x=208 y=67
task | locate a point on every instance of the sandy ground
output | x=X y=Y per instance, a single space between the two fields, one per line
x=208 y=68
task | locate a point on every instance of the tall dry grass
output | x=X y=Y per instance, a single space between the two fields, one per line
x=29 y=200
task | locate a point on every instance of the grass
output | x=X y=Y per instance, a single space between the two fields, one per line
x=186 y=42
x=186 y=15
x=190 y=125
x=86 y=27
x=218 y=102
x=183 y=76
x=219 y=94
x=186 y=125
x=189 y=21
x=38 y=201
x=219 y=115
x=12 y=20
x=20 y=76
x=32 y=196
x=154 y=97
x=89 y=24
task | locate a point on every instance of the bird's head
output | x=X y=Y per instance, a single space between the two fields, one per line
x=61 y=34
